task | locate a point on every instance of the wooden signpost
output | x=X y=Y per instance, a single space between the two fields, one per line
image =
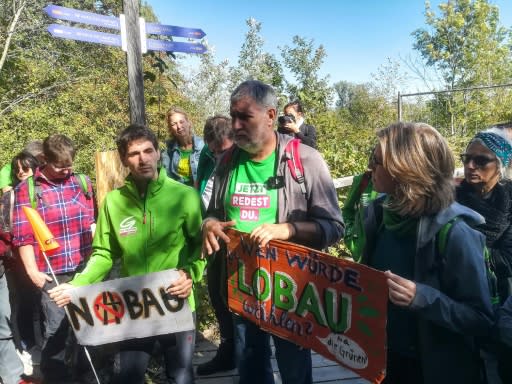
x=132 y=39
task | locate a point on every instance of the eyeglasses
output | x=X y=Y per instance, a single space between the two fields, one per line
x=60 y=169
x=480 y=161
x=374 y=161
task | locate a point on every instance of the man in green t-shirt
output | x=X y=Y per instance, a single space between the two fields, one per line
x=255 y=192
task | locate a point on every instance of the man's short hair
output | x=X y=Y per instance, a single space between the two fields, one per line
x=58 y=148
x=34 y=147
x=216 y=129
x=263 y=94
x=131 y=133
x=295 y=104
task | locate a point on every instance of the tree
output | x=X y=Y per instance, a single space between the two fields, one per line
x=304 y=62
x=465 y=43
x=50 y=85
x=208 y=86
x=468 y=47
x=254 y=63
x=388 y=80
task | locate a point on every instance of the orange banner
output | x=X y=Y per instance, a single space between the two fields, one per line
x=42 y=234
x=333 y=306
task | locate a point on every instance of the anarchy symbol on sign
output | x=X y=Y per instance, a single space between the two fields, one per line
x=109 y=307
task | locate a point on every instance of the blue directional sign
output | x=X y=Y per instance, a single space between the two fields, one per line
x=174 y=46
x=80 y=34
x=172 y=30
x=70 y=14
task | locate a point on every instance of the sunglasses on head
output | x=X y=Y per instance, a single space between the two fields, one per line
x=479 y=160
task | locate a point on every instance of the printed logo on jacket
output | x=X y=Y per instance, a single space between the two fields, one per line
x=127 y=226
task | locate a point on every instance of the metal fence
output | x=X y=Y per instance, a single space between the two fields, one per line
x=458 y=111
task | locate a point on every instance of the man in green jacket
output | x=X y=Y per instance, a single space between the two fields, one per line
x=152 y=223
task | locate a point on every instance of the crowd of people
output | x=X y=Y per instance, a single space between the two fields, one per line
x=445 y=249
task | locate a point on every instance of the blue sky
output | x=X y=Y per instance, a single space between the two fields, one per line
x=358 y=35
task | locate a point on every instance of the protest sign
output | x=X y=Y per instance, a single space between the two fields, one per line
x=128 y=308
x=335 y=307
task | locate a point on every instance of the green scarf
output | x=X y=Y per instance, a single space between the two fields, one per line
x=401 y=225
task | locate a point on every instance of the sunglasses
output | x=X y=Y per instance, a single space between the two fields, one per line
x=480 y=161
x=374 y=161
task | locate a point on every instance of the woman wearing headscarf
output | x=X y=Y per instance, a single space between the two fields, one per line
x=438 y=303
x=486 y=189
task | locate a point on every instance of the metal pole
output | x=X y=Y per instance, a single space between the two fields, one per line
x=134 y=62
x=399 y=106
x=86 y=350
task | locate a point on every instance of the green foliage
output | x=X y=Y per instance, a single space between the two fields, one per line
x=205 y=315
x=465 y=42
x=304 y=62
x=254 y=63
x=467 y=47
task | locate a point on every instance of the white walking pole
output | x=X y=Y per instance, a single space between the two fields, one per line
x=47 y=242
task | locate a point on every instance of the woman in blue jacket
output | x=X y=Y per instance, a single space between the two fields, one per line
x=181 y=155
x=438 y=303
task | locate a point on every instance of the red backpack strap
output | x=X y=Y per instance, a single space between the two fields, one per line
x=294 y=164
x=227 y=157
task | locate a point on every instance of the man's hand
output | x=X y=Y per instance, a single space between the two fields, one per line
x=401 y=291
x=181 y=287
x=39 y=278
x=213 y=229
x=60 y=294
x=266 y=232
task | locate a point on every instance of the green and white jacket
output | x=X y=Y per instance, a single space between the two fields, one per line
x=149 y=234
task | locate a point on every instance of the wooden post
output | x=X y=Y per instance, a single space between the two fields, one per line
x=134 y=62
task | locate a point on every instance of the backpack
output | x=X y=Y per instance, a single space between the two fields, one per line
x=294 y=164
x=353 y=214
x=492 y=281
x=33 y=188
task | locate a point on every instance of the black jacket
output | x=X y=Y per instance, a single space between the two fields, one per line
x=307 y=134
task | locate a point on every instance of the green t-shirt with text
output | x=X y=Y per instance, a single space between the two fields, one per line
x=249 y=202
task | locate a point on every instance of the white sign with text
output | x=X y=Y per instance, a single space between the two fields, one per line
x=128 y=308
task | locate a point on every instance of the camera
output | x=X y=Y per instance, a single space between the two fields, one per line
x=285 y=119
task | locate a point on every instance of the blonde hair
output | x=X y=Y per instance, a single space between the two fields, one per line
x=419 y=160
x=173 y=110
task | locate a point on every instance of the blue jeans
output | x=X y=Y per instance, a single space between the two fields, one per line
x=253 y=354
x=11 y=367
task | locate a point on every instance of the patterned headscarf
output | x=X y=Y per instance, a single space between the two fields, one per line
x=499 y=145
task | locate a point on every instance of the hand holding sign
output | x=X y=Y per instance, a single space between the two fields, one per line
x=266 y=232
x=401 y=291
x=213 y=229
x=60 y=294
x=181 y=287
